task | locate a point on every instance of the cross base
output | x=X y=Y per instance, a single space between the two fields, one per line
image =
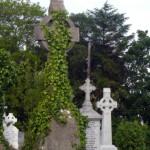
x=108 y=147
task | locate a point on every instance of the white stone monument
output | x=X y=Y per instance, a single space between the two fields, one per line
x=93 y=131
x=107 y=104
x=10 y=131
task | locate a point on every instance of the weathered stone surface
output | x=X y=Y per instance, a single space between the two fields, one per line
x=1 y=147
x=93 y=135
x=61 y=137
x=39 y=33
x=93 y=130
x=56 y=5
x=107 y=104
x=108 y=147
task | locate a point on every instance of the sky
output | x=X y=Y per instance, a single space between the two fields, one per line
x=138 y=11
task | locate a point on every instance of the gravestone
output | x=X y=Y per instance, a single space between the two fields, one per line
x=107 y=104
x=61 y=137
x=10 y=131
x=93 y=130
x=48 y=20
x=1 y=147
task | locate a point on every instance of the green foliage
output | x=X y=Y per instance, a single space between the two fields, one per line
x=58 y=93
x=147 y=139
x=7 y=70
x=3 y=141
x=130 y=136
x=17 y=21
x=137 y=78
x=8 y=73
x=24 y=95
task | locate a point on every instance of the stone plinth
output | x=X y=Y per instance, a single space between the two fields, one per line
x=108 y=147
x=93 y=130
x=61 y=137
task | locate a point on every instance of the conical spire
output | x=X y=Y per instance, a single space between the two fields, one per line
x=56 y=5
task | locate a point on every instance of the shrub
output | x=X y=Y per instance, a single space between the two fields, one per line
x=131 y=136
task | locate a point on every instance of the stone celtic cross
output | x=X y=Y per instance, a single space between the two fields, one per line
x=106 y=104
x=48 y=20
x=87 y=88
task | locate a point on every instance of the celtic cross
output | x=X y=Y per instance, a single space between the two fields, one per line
x=106 y=104
x=87 y=87
x=48 y=20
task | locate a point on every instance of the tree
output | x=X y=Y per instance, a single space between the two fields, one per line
x=8 y=73
x=137 y=78
x=24 y=95
x=17 y=21
x=77 y=59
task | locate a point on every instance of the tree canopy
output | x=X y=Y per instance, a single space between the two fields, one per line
x=17 y=21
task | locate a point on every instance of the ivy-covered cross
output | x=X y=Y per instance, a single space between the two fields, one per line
x=55 y=5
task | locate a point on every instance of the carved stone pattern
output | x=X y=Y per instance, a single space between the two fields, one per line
x=87 y=87
x=107 y=104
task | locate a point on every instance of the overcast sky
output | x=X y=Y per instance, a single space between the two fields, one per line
x=138 y=11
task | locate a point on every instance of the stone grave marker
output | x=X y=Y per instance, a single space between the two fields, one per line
x=61 y=137
x=93 y=130
x=48 y=20
x=107 y=104
x=10 y=131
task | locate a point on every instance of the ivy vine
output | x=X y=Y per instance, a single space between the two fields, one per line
x=57 y=95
